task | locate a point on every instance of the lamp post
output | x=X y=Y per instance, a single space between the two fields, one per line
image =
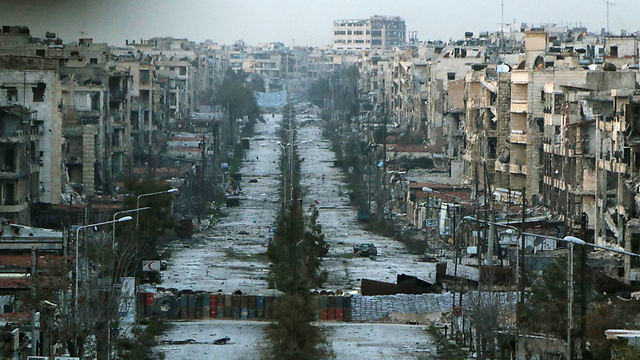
x=170 y=191
x=113 y=244
x=572 y=240
x=284 y=148
x=122 y=219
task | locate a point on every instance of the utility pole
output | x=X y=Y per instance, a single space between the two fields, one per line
x=522 y=244
x=33 y=311
x=570 y=310
x=202 y=192
x=384 y=159
x=583 y=296
x=294 y=240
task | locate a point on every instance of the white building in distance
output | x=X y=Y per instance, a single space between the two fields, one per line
x=378 y=32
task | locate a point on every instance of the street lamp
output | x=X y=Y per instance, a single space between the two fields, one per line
x=284 y=148
x=170 y=191
x=572 y=240
x=120 y=213
x=122 y=219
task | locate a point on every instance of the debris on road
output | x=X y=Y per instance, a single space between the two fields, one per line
x=221 y=341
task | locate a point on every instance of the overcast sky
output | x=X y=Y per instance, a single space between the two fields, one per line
x=303 y=22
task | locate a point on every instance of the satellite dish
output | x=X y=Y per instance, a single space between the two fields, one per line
x=503 y=68
x=111 y=65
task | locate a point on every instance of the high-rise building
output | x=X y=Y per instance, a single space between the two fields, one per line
x=378 y=32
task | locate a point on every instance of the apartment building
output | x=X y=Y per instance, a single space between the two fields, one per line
x=19 y=162
x=377 y=32
x=34 y=84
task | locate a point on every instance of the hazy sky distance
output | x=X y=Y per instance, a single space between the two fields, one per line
x=303 y=21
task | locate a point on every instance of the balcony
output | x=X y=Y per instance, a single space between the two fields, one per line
x=117 y=95
x=73 y=159
x=552 y=119
x=13 y=208
x=519 y=106
x=518 y=169
x=518 y=138
x=520 y=77
x=500 y=166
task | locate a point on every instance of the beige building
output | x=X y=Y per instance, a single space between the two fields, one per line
x=19 y=162
x=25 y=84
x=377 y=32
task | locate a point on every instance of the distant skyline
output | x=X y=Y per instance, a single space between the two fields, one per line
x=296 y=22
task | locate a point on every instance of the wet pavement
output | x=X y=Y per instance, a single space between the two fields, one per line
x=349 y=340
x=230 y=255
x=322 y=182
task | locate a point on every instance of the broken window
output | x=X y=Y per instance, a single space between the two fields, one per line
x=12 y=93
x=95 y=101
x=558 y=103
x=38 y=92
x=8 y=159
x=9 y=194
x=493 y=145
x=145 y=76
x=183 y=70
x=39 y=52
x=93 y=61
x=613 y=51
x=135 y=120
x=451 y=76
